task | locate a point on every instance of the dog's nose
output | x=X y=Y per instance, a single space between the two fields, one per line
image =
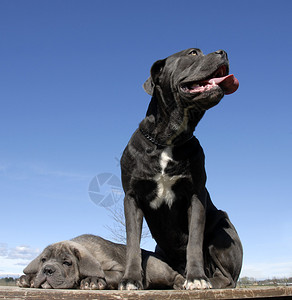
x=221 y=52
x=49 y=270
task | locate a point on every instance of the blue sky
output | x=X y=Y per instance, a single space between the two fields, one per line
x=71 y=76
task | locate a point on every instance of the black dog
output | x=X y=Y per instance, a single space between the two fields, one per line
x=164 y=177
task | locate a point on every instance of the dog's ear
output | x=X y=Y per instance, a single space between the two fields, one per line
x=88 y=265
x=150 y=83
x=148 y=86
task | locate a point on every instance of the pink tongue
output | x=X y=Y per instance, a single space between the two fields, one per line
x=229 y=83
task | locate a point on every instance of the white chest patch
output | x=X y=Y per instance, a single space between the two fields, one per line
x=164 y=182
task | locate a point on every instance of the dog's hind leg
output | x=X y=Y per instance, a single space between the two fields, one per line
x=220 y=281
x=224 y=256
x=220 y=278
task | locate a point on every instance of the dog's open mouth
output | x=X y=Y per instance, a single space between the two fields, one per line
x=228 y=83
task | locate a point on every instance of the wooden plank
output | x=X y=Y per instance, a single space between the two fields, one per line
x=239 y=293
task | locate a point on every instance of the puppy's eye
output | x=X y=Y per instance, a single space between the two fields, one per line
x=193 y=52
x=43 y=260
x=67 y=263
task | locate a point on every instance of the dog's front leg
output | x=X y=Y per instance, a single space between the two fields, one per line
x=195 y=274
x=132 y=279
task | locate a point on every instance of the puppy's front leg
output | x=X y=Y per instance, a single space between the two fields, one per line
x=132 y=279
x=195 y=274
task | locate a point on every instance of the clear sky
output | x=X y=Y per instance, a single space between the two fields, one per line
x=71 y=75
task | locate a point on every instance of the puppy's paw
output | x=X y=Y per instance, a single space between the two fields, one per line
x=25 y=281
x=179 y=282
x=93 y=283
x=130 y=285
x=197 y=284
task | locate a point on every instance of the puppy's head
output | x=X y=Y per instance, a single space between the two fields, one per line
x=190 y=79
x=61 y=266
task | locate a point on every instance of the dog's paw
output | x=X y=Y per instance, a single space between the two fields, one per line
x=93 y=283
x=179 y=282
x=25 y=281
x=197 y=284
x=129 y=285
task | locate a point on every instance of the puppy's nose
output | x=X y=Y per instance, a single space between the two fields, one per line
x=49 y=270
x=221 y=52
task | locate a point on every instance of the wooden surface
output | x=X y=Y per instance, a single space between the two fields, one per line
x=239 y=293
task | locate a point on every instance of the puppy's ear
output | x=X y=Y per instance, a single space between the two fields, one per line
x=156 y=70
x=88 y=265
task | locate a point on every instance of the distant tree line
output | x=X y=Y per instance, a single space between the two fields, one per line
x=247 y=281
x=8 y=281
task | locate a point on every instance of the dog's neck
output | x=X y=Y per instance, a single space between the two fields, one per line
x=169 y=126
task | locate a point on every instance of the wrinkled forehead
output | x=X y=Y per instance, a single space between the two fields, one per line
x=57 y=250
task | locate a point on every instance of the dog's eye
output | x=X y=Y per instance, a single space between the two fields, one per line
x=67 y=263
x=193 y=52
x=43 y=260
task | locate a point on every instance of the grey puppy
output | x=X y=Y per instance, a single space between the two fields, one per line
x=91 y=262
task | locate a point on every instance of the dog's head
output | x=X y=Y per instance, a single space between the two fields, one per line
x=192 y=80
x=61 y=266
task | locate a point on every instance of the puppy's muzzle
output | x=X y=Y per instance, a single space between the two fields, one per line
x=49 y=270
